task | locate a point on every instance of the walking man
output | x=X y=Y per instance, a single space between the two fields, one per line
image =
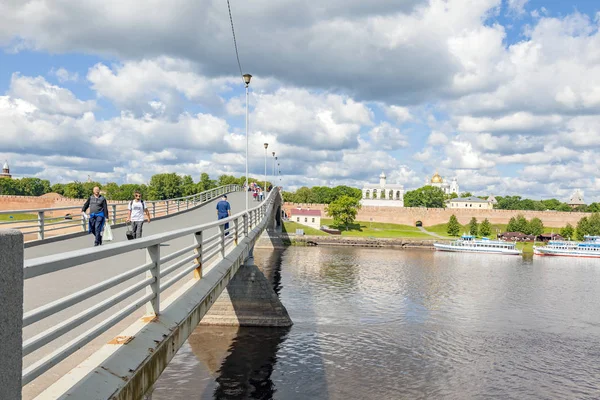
x=137 y=209
x=224 y=211
x=98 y=214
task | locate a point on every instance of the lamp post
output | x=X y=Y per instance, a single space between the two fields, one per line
x=273 y=174
x=265 y=187
x=247 y=78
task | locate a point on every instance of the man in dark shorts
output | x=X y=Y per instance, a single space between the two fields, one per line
x=224 y=211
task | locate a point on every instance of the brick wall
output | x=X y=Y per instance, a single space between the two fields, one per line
x=435 y=216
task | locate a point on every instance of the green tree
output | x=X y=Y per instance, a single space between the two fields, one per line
x=323 y=194
x=427 y=196
x=583 y=228
x=288 y=197
x=188 y=187
x=343 y=210
x=58 y=188
x=228 y=180
x=75 y=190
x=473 y=226
x=343 y=190
x=206 y=183
x=33 y=186
x=567 y=231
x=453 y=227
x=466 y=194
x=564 y=207
x=304 y=195
x=485 y=228
x=535 y=227
x=593 y=208
x=9 y=187
x=517 y=224
x=164 y=186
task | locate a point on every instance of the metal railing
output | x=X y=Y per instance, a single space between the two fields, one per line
x=47 y=222
x=161 y=272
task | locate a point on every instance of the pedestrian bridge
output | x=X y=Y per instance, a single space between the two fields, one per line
x=103 y=322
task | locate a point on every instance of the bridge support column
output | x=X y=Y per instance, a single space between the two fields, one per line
x=248 y=300
x=11 y=317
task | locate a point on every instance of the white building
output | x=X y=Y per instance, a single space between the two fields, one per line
x=576 y=199
x=438 y=181
x=383 y=194
x=306 y=217
x=470 y=202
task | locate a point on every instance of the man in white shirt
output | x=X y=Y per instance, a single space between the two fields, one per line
x=137 y=209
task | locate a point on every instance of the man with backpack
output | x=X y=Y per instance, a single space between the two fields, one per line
x=137 y=209
x=98 y=214
x=224 y=211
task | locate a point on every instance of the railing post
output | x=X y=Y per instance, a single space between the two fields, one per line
x=178 y=205
x=114 y=213
x=236 y=225
x=245 y=225
x=167 y=202
x=153 y=256
x=153 y=210
x=11 y=317
x=187 y=204
x=198 y=259
x=222 y=230
x=40 y=225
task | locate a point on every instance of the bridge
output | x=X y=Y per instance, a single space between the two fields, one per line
x=103 y=322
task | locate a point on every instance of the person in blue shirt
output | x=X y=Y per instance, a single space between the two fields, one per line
x=224 y=211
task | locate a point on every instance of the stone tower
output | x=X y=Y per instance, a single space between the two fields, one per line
x=382 y=178
x=5 y=171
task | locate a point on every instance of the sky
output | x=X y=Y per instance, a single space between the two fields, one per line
x=504 y=95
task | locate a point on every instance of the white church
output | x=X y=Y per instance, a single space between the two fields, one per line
x=383 y=194
x=447 y=187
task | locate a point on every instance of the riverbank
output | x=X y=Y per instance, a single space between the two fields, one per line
x=331 y=240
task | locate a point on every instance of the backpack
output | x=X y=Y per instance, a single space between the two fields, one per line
x=143 y=205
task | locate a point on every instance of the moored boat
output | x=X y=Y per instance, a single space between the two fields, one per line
x=470 y=244
x=590 y=248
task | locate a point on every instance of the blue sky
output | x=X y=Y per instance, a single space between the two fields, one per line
x=492 y=92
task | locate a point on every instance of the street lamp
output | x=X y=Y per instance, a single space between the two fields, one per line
x=247 y=78
x=265 y=187
x=273 y=174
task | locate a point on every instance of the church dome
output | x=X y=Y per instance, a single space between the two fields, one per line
x=436 y=178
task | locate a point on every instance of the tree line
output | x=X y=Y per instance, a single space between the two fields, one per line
x=321 y=194
x=160 y=187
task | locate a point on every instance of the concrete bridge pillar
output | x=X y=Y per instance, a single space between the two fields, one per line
x=11 y=317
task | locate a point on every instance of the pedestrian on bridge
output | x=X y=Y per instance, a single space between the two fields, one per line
x=98 y=214
x=224 y=211
x=137 y=209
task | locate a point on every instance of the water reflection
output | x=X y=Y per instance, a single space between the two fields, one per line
x=404 y=324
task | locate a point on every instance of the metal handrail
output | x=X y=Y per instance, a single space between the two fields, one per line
x=154 y=268
x=156 y=208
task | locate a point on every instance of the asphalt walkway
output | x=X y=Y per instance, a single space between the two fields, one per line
x=44 y=289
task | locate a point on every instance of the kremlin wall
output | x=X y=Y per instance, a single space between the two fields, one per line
x=435 y=216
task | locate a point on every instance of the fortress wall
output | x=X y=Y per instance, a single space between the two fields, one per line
x=435 y=216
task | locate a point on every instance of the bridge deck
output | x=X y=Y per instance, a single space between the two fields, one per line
x=47 y=288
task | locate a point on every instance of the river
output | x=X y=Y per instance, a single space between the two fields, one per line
x=406 y=324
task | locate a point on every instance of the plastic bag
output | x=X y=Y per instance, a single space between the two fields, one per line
x=107 y=233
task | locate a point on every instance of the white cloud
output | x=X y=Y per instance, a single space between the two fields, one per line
x=437 y=138
x=64 y=75
x=386 y=137
x=517 y=7
x=46 y=97
x=399 y=114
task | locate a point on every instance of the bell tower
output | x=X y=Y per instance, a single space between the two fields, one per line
x=5 y=171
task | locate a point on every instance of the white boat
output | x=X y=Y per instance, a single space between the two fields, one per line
x=590 y=247
x=470 y=244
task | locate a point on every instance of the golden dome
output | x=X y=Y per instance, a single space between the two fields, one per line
x=436 y=178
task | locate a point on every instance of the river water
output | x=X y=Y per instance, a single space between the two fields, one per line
x=406 y=324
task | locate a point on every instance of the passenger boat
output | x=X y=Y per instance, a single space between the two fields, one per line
x=470 y=244
x=590 y=247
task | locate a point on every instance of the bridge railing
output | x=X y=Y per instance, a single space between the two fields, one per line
x=157 y=274
x=39 y=224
